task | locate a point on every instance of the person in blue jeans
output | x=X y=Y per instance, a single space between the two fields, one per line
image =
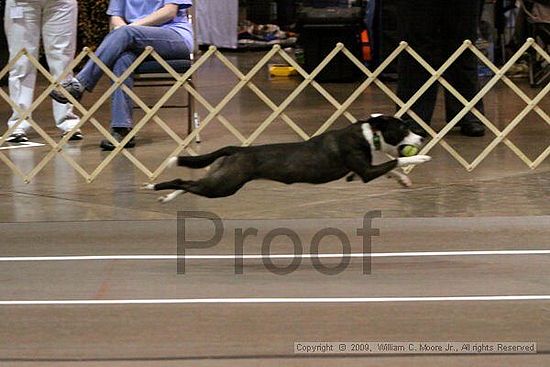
x=162 y=24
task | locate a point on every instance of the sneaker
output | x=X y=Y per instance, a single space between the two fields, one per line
x=17 y=137
x=76 y=136
x=73 y=86
x=518 y=70
x=119 y=133
x=472 y=129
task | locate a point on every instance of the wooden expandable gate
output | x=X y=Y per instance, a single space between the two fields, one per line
x=278 y=111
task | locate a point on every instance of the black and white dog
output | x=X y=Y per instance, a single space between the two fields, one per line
x=323 y=158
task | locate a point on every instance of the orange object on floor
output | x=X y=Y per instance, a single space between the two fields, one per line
x=365 y=46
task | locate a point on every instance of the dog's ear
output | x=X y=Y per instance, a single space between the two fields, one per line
x=377 y=121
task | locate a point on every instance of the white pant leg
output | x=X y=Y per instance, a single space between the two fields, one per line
x=59 y=36
x=22 y=28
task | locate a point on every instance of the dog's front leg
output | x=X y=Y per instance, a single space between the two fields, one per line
x=401 y=178
x=364 y=168
x=368 y=172
x=416 y=159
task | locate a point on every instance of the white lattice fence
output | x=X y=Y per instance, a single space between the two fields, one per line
x=278 y=111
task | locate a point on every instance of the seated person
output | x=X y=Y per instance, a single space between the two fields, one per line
x=162 y=24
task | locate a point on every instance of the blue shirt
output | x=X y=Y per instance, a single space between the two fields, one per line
x=132 y=10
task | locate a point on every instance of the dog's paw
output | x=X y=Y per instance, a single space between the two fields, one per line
x=163 y=199
x=171 y=196
x=147 y=186
x=401 y=178
x=417 y=159
x=405 y=181
x=172 y=162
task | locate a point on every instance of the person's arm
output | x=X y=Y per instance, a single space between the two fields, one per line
x=116 y=12
x=117 y=21
x=161 y=16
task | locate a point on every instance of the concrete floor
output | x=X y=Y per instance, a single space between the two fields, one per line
x=502 y=205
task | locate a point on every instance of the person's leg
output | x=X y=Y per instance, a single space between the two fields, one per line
x=121 y=104
x=22 y=27
x=166 y=42
x=462 y=20
x=59 y=35
x=419 y=34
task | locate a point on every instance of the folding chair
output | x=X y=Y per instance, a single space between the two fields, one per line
x=538 y=18
x=151 y=74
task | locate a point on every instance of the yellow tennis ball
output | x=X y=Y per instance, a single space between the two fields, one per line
x=409 y=151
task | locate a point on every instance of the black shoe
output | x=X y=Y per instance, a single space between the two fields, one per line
x=19 y=137
x=119 y=133
x=73 y=86
x=472 y=128
x=76 y=136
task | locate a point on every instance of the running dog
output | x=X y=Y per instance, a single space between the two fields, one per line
x=323 y=158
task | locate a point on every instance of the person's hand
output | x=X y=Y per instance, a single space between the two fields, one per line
x=117 y=22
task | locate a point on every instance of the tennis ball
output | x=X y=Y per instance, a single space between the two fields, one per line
x=409 y=151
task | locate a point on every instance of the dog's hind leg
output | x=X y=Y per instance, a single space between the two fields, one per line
x=201 y=161
x=171 y=196
x=213 y=187
x=168 y=185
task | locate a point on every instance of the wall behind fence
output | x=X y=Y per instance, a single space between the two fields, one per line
x=93 y=22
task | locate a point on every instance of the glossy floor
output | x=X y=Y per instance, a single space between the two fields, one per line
x=502 y=205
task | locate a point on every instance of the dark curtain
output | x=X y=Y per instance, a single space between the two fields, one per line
x=4 y=54
x=93 y=22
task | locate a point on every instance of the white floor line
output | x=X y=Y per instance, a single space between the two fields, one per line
x=282 y=256
x=29 y=144
x=276 y=300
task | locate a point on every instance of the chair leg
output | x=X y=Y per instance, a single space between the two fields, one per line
x=193 y=120
x=539 y=71
x=190 y=110
x=196 y=125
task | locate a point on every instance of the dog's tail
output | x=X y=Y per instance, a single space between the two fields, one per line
x=201 y=161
